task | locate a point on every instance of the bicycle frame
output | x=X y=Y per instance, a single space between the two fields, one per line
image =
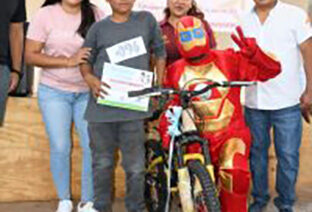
x=180 y=140
x=181 y=158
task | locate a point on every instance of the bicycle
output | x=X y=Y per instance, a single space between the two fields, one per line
x=192 y=173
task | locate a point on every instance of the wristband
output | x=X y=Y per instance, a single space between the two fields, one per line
x=19 y=73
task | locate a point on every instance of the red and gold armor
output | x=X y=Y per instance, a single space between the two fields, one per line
x=218 y=114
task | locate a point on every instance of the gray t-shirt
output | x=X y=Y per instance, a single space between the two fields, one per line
x=105 y=34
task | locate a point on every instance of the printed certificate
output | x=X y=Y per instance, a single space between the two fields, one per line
x=122 y=79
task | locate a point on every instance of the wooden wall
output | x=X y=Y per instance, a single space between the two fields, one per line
x=24 y=156
x=24 y=150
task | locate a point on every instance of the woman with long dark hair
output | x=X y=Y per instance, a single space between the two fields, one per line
x=54 y=41
x=175 y=10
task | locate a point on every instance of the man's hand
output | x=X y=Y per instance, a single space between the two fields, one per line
x=248 y=46
x=306 y=97
x=14 y=79
x=97 y=87
x=305 y=104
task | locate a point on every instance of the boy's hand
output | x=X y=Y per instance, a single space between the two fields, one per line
x=79 y=58
x=166 y=39
x=96 y=86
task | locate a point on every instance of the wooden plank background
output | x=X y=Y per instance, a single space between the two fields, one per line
x=24 y=158
x=24 y=149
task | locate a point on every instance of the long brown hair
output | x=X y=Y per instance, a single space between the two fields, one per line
x=194 y=11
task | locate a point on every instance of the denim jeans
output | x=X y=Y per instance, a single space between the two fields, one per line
x=59 y=109
x=4 y=87
x=287 y=132
x=105 y=139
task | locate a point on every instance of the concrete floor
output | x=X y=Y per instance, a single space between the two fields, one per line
x=303 y=205
x=45 y=206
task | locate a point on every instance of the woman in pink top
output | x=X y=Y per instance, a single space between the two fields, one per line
x=54 y=39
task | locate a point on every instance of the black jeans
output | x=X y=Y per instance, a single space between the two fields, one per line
x=128 y=136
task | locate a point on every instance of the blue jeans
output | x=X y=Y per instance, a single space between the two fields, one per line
x=287 y=132
x=59 y=109
x=4 y=87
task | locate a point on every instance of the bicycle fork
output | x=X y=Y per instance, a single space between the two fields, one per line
x=184 y=179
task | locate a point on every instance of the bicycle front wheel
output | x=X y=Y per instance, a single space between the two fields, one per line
x=204 y=192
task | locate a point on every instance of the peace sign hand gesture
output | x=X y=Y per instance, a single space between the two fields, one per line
x=248 y=46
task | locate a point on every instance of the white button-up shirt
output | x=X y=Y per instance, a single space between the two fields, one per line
x=285 y=28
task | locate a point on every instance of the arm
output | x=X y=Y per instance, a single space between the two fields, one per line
x=16 y=44
x=86 y=70
x=261 y=67
x=303 y=36
x=254 y=64
x=92 y=81
x=35 y=56
x=38 y=35
x=16 y=36
x=158 y=50
x=306 y=97
x=16 y=47
x=160 y=65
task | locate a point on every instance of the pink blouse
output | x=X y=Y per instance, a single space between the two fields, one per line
x=58 y=31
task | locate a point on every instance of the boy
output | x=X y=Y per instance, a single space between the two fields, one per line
x=112 y=127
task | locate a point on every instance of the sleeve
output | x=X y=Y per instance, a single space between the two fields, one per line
x=20 y=12
x=302 y=26
x=99 y=14
x=260 y=67
x=157 y=42
x=38 y=27
x=167 y=83
x=173 y=74
x=91 y=42
x=212 y=40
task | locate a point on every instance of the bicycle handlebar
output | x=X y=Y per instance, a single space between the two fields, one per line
x=153 y=91
x=157 y=91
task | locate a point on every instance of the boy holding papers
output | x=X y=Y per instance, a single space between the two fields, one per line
x=121 y=47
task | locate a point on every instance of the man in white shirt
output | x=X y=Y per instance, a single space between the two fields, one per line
x=283 y=31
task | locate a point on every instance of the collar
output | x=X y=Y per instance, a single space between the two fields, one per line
x=164 y=22
x=208 y=59
x=278 y=4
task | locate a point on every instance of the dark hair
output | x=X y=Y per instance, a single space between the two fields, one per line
x=194 y=11
x=87 y=15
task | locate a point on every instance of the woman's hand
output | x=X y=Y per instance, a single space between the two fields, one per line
x=79 y=58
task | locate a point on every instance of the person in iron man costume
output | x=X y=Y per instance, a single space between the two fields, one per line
x=218 y=115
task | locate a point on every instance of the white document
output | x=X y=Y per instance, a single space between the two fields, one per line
x=122 y=79
x=126 y=50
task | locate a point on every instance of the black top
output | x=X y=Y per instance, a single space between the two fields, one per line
x=11 y=11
